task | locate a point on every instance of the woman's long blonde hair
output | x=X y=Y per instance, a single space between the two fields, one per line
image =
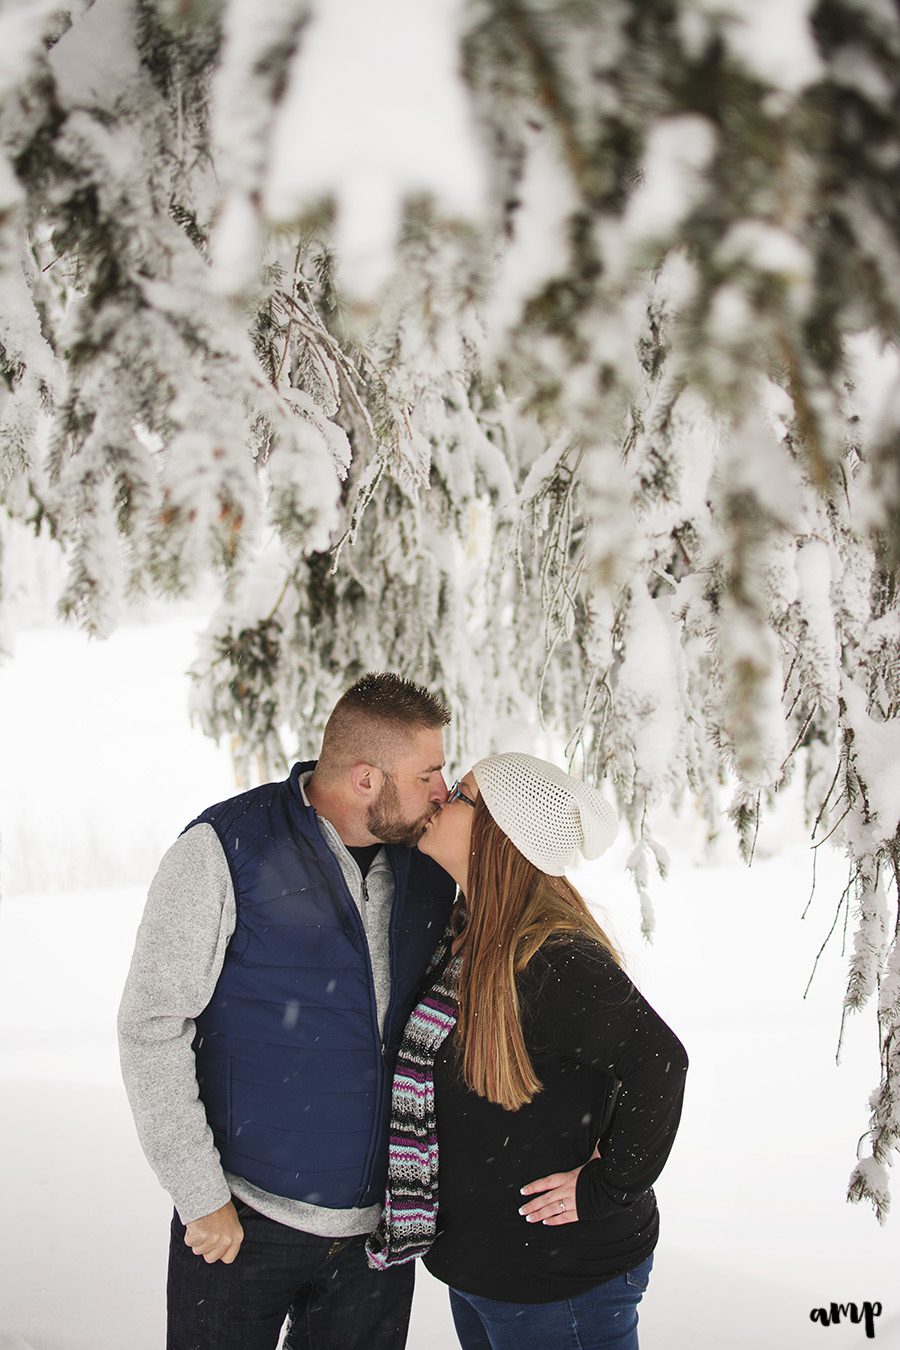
x=511 y=908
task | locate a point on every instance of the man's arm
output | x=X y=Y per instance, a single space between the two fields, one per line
x=188 y=921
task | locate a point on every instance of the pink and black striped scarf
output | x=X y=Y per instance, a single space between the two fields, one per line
x=409 y=1219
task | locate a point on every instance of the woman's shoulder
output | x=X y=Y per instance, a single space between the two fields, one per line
x=571 y=989
x=573 y=961
x=565 y=949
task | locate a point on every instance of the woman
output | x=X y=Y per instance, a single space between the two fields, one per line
x=535 y=1075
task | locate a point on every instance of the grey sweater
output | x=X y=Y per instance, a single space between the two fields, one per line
x=187 y=924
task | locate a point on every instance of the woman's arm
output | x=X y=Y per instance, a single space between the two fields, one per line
x=593 y=1014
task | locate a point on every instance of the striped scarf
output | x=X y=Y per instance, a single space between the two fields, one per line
x=409 y=1219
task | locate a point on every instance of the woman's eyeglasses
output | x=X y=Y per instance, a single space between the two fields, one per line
x=455 y=792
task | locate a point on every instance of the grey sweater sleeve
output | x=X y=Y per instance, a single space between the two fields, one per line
x=188 y=921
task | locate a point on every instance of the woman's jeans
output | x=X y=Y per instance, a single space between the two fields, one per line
x=605 y=1318
x=334 y=1300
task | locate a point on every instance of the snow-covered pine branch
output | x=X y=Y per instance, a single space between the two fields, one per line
x=512 y=344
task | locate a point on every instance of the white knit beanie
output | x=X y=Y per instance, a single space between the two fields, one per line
x=549 y=815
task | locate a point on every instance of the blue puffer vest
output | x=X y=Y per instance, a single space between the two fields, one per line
x=292 y=1071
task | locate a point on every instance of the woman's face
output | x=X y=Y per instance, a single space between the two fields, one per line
x=448 y=835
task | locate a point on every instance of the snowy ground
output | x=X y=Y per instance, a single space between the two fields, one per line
x=100 y=770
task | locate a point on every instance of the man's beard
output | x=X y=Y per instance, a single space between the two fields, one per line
x=386 y=823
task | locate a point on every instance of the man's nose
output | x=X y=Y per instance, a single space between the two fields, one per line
x=438 y=790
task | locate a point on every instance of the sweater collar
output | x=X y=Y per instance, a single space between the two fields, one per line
x=296 y=784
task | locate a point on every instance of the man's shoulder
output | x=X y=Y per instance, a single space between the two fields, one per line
x=251 y=802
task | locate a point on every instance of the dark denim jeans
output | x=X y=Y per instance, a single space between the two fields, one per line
x=605 y=1318
x=334 y=1300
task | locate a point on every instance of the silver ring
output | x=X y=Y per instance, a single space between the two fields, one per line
x=562 y=1204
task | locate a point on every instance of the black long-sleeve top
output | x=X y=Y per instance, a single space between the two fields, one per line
x=613 y=1071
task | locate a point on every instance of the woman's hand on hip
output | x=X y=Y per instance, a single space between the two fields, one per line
x=554 y=1197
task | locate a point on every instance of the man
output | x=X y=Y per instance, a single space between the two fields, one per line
x=278 y=958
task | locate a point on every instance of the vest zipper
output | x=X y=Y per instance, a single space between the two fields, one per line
x=384 y=1086
x=365 y=892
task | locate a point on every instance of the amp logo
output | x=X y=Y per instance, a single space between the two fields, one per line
x=831 y=1316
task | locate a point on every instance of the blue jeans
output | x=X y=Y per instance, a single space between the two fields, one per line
x=605 y=1318
x=334 y=1300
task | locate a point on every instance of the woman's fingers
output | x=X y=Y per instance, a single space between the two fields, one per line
x=543 y=1205
x=555 y=1204
x=559 y=1216
x=546 y=1204
x=553 y=1198
x=549 y=1209
x=546 y=1183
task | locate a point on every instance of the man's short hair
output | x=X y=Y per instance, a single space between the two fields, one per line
x=371 y=719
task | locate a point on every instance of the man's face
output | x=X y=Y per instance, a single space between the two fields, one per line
x=412 y=792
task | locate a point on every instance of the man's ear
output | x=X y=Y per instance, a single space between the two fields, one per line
x=366 y=780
